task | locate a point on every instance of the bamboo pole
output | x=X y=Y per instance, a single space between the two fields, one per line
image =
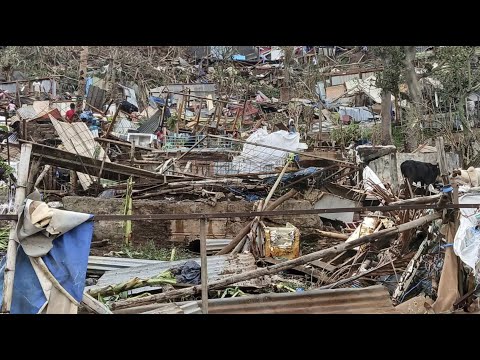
x=42 y=175
x=11 y=255
x=419 y=200
x=246 y=229
x=94 y=305
x=279 y=267
x=203 y=262
x=332 y=235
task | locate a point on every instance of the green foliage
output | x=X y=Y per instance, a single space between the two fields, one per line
x=348 y=133
x=393 y=58
x=8 y=169
x=458 y=73
x=398 y=137
x=171 y=122
x=270 y=91
x=4 y=233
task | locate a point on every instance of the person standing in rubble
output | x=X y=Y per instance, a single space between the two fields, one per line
x=36 y=85
x=70 y=113
x=11 y=108
x=291 y=126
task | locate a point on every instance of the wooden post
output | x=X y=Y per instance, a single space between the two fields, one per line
x=132 y=153
x=162 y=121
x=74 y=180
x=8 y=143
x=243 y=115
x=284 y=265
x=11 y=255
x=247 y=228
x=234 y=127
x=110 y=127
x=203 y=262
x=442 y=159
x=394 y=170
x=197 y=120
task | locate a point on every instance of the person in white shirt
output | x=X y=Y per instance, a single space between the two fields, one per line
x=36 y=88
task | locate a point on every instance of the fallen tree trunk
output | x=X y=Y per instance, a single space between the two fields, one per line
x=279 y=267
x=248 y=227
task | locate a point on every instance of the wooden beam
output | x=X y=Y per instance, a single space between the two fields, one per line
x=279 y=267
x=122 y=143
x=53 y=156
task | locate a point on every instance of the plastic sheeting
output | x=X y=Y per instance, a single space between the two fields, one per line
x=67 y=261
x=290 y=177
x=467 y=239
x=256 y=158
x=368 y=174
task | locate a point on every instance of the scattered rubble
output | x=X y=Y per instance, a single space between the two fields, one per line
x=285 y=216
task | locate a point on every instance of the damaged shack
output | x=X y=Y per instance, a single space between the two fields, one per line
x=236 y=180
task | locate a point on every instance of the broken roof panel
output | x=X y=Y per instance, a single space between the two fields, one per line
x=369 y=300
x=150 y=125
x=218 y=267
x=27 y=112
x=78 y=139
x=367 y=86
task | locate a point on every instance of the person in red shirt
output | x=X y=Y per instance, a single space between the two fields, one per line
x=70 y=113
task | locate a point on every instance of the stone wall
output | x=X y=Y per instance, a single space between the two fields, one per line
x=381 y=166
x=179 y=230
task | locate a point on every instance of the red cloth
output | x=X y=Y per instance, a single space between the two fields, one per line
x=69 y=114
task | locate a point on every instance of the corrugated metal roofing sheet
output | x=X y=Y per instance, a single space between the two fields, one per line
x=150 y=125
x=217 y=266
x=370 y=300
x=100 y=264
x=78 y=139
x=27 y=112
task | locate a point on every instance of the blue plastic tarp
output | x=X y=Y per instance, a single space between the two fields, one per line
x=286 y=178
x=67 y=261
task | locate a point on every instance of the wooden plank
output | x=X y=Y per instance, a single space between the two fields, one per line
x=94 y=305
x=122 y=143
x=53 y=156
x=323 y=265
x=302 y=268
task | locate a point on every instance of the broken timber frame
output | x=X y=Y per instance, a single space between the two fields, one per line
x=270 y=213
x=279 y=267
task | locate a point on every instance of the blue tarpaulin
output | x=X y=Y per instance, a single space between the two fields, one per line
x=88 y=83
x=67 y=261
x=286 y=178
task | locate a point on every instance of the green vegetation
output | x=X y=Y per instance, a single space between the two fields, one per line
x=4 y=232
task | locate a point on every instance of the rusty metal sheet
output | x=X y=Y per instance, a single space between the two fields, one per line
x=370 y=300
x=282 y=242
